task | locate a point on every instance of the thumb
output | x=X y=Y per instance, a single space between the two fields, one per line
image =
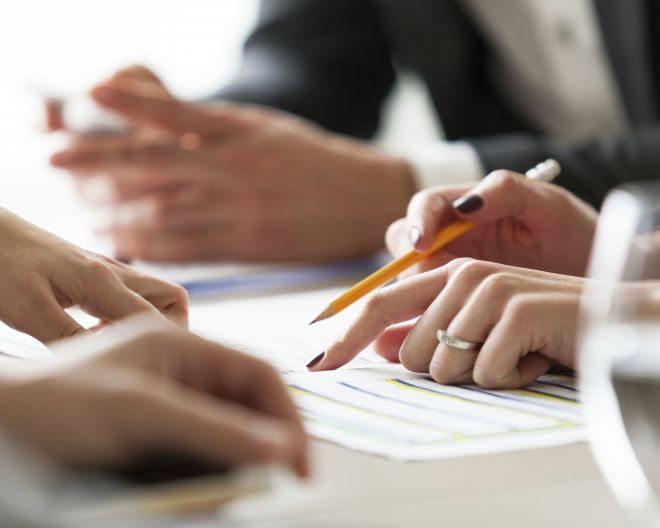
x=505 y=194
x=147 y=104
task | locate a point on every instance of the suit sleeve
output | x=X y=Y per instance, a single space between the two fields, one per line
x=590 y=169
x=325 y=60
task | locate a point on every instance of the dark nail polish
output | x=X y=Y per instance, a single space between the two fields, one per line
x=415 y=234
x=469 y=204
x=316 y=360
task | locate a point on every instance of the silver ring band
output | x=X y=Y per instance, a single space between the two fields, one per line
x=455 y=342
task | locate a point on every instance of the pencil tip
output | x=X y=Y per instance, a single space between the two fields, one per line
x=325 y=314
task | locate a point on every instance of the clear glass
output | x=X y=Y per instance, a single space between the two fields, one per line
x=620 y=348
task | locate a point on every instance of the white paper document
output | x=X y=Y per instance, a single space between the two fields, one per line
x=387 y=411
x=381 y=408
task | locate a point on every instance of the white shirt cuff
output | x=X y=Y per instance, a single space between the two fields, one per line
x=445 y=162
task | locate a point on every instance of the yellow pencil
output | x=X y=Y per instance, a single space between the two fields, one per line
x=546 y=171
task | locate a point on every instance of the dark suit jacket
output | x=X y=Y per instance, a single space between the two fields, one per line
x=332 y=62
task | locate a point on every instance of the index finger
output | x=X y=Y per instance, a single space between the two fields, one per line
x=142 y=102
x=236 y=376
x=393 y=304
x=244 y=379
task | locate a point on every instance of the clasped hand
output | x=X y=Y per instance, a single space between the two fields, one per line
x=228 y=181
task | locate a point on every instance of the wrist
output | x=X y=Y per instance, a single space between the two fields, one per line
x=398 y=176
x=391 y=176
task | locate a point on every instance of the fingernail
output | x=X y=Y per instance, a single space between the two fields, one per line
x=469 y=204
x=415 y=234
x=316 y=360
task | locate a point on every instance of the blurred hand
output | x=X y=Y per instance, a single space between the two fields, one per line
x=228 y=181
x=41 y=275
x=526 y=319
x=523 y=223
x=149 y=388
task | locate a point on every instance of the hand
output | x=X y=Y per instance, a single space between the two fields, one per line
x=523 y=223
x=526 y=320
x=226 y=181
x=151 y=388
x=41 y=275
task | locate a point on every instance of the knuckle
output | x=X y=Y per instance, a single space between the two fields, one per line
x=505 y=179
x=518 y=310
x=421 y=198
x=180 y=294
x=494 y=286
x=464 y=262
x=468 y=269
x=376 y=303
x=96 y=269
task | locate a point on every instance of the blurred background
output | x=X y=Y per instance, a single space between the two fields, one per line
x=63 y=47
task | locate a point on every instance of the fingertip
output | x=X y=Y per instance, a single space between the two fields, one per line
x=425 y=242
x=327 y=360
x=420 y=238
x=397 y=238
x=301 y=463
x=315 y=361
x=279 y=443
x=61 y=159
x=105 y=95
x=533 y=366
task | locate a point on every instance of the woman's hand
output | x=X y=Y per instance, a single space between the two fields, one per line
x=523 y=223
x=525 y=319
x=231 y=181
x=41 y=275
x=148 y=388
